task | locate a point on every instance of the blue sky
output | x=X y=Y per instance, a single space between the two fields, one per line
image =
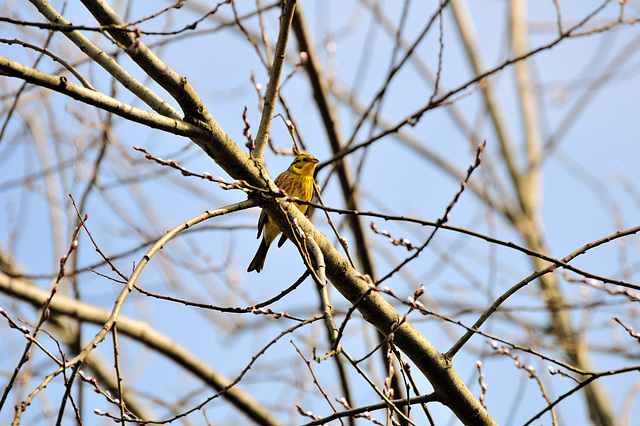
x=588 y=191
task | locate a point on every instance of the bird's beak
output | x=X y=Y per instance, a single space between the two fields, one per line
x=315 y=160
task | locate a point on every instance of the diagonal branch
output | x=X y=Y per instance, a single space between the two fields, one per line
x=494 y=306
x=168 y=79
x=100 y=100
x=436 y=367
x=274 y=80
x=107 y=63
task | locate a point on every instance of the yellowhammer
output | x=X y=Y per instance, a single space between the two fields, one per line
x=296 y=181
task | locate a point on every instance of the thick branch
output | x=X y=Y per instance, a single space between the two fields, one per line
x=106 y=62
x=155 y=68
x=449 y=388
x=100 y=100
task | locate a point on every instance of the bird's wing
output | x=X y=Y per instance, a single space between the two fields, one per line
x=263 y=219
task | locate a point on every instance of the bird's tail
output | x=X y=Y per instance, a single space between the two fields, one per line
x=258 y=260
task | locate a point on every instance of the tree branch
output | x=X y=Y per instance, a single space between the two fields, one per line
x=100 y=100
x=274 y=81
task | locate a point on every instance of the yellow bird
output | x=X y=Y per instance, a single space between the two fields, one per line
x=296 y=181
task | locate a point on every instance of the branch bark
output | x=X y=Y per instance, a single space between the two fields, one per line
x=97 y=99
x=449 y=389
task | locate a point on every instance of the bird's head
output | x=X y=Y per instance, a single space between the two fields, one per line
x=304 y=164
